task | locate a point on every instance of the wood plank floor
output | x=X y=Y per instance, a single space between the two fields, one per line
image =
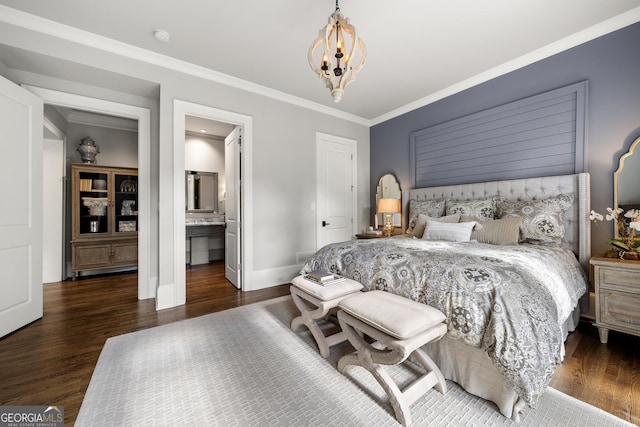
x=50 y=361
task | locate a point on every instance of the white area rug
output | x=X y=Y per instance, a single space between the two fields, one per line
x=245 y=367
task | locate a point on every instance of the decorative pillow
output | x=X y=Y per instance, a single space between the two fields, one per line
x=448 y=232
x=541 y=219
x=421 y=223
x=482 y=209
x=505 y=231
x=432 y=208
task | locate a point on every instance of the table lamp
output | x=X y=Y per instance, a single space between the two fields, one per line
x=388 y=207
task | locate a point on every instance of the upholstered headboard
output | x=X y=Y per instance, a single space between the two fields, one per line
x=576 y=220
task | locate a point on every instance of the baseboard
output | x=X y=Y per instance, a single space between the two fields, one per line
x=270 y=277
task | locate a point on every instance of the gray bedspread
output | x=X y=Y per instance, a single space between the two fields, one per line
x=509 y=301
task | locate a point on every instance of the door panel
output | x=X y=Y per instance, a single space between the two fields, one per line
x=233 y=212
x=334 y=189
x=21 y=217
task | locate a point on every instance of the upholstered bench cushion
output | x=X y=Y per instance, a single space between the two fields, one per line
x=392 y=314
x=329 y=292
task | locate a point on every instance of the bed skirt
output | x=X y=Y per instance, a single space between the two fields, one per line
x=472 y=369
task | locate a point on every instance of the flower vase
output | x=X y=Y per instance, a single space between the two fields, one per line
x=630 y=255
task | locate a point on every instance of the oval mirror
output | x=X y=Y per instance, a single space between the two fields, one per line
x=626 y=191
x=388 y=188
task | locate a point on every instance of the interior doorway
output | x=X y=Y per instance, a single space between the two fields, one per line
x=182 y=110
x=205 y=189
x=146 y=283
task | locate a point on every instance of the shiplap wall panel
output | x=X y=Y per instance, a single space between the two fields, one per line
x=542 y=135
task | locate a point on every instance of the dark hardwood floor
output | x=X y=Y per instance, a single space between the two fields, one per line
x=50 y=361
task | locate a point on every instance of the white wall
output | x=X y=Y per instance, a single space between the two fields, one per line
x=283 y=150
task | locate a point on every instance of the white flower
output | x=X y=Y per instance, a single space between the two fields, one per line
x=595 y=216
x=632 y=213
x=613 y=213
x=634 y=225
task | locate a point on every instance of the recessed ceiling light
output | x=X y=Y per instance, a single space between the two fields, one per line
x=162 y=35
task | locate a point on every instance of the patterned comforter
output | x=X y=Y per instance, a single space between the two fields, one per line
x=509 y=301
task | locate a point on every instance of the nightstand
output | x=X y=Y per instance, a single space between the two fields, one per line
x=617 y=285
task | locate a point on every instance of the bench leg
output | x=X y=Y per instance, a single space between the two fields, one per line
x=310 y=316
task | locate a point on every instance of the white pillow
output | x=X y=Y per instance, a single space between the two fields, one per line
x=421 y=223
x=449 y=232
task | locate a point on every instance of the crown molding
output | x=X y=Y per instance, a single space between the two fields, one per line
x=75 y=35
x=605 y=27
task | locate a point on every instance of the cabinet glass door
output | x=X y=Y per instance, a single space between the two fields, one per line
x=126 y=203
x=94 y=201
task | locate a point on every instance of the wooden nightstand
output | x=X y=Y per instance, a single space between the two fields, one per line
x=617 y=285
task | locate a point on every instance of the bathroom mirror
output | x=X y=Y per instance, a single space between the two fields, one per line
x=626 y=191
x=201 y=193
x=388 y=188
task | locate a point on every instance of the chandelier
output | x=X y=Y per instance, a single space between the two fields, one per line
x=332 y=54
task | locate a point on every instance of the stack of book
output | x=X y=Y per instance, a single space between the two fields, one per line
x=324 y=278
x=86 y=184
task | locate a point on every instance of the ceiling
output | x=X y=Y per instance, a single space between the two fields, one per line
x=418 y=50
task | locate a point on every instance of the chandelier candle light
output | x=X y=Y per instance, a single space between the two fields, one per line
x=340 y=43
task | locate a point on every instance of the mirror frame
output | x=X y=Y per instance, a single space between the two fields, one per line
x=616 y=176
x=186 y=191
x=397 y=218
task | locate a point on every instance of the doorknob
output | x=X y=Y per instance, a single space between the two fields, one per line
x=325 y=223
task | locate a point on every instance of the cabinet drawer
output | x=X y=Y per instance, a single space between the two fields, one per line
x=91 y=256
x=619 y=309
x=125 y=253
x=619 y=277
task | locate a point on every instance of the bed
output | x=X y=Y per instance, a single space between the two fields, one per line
x=510 y=300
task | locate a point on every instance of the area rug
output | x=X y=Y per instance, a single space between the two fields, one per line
x=245 y=367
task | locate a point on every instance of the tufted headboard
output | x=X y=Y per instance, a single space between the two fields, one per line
x=576 y=221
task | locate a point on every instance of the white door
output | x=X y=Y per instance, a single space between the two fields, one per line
x=52 y=222
x=21 y=215
x=335 y=189
x=233 y=212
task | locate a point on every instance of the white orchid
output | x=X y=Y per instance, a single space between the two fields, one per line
x=595 y=216
x=627 y=223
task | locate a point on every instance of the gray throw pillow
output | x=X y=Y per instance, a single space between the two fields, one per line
x=482 y=209
x=432 y=208
x=542 y=220
x=505 y=231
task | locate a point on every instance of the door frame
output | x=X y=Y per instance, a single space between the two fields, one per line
x=181 y=109
x=146 y=283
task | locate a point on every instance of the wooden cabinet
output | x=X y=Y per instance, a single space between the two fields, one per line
x=104 y=217
x=617 y=287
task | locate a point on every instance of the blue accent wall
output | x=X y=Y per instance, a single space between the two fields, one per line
x=610 y=63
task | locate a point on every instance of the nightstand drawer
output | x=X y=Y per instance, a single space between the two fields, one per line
x=619 y=309
x=618 y=277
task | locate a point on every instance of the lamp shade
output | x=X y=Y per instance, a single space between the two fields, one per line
x=388 y=206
